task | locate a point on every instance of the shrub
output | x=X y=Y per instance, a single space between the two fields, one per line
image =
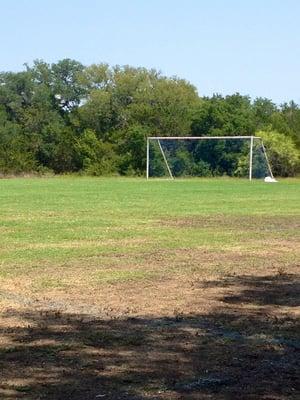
x=95 y=156
x=282 y=152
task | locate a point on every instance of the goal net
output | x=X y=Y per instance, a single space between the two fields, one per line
x=174 y=157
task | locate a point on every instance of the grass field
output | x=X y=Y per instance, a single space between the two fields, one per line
x=125 y=289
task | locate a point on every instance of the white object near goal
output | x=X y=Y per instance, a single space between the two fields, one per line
x=171 y=157
x=269 y=179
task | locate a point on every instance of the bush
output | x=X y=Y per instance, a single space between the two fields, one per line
x=15 y=156
x=282 y=152
x=96 y=157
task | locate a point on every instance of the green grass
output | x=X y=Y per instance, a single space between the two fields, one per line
x=65 y=221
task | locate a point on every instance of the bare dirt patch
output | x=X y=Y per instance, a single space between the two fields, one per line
x=236 y=337
x=261 y=223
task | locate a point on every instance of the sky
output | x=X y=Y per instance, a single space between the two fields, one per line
x=220 y=46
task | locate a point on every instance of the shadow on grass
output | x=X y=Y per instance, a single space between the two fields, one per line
x=281 y=290
x=248 y=348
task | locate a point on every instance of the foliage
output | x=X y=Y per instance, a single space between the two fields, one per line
x=219 y=116
x=15 y=156
x=66 y=117
x=95 y=156
x=283 y=153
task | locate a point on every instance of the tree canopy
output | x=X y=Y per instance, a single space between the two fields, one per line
x=67 y=117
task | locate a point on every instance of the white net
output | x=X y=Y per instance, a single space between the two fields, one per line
x=175 y=158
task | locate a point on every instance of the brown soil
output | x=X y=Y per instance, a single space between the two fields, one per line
x=260 y=223
x=229 y=338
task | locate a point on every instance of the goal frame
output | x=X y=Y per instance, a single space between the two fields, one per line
x=250 y=138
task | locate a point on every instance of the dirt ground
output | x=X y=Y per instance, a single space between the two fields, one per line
x=184 y=336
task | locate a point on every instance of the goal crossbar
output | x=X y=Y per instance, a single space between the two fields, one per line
x=199 y=137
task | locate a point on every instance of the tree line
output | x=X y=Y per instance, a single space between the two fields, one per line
x=65 y=117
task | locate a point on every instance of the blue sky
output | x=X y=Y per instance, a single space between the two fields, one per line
x=221 y=46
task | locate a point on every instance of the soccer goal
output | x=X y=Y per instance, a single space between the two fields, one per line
x=207 y=156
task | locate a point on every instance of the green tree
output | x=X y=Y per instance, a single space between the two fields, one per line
x=165 y=106
x=95 y=156
x=291 y=115
x=282 y=152
x=126 y=104
x=51 y=114
x=132 y=149
x=222 y=116
x=16 y=90
x=15 y=155
x=63 y=81
x=263 y=109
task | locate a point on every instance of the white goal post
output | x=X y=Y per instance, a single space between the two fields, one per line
x=249 y=139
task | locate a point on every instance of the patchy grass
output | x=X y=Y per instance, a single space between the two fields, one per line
x=149 y=290
x=116 y=276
